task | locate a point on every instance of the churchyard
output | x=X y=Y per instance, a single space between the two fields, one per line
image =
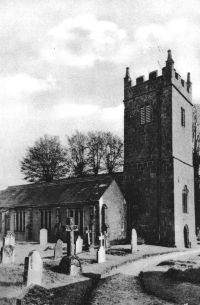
x=63 y=273
x=51 y=266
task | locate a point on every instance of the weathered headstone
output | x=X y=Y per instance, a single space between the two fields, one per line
x=107 y=239
x=133 y=241
x=9 y=239
x=89 y=246
x=33 y=268
x=88 y=240
x=70 y=264
x=43 y=237
x=58 y=250
x=7 y=254
x=8 y=249
x=101 y=253
x=79 y=245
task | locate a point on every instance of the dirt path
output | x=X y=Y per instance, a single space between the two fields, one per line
x=124 y=288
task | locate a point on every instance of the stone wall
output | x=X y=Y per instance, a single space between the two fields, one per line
x=116 y=213
x=183 y=175
x=183 y=164
x=182 y=136
x=36 y=225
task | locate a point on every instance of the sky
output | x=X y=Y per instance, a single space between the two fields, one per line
x=62 y=65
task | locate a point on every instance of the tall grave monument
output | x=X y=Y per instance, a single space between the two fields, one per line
x=70 y=264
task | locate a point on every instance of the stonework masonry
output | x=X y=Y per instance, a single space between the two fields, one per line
x=158 y=156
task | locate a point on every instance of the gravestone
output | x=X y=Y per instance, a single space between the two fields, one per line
x=89 y=246
x=70 y=264
x=58 y=250
x=88 y=240
x=107 y=239
x=133 y=241
x=43 y=237
x=7 y=254
x=9 y=239
x=33 y=268
x=101 y=253
x=79 y=245
x=8 y=249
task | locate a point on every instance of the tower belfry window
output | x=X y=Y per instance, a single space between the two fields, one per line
x=145 y=114
x=142 y=115
x=148 y=114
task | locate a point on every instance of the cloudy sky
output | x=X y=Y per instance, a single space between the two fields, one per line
x=62 y=64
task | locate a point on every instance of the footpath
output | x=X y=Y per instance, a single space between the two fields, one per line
x=78 y=289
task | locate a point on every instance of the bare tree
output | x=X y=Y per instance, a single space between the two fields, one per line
x=112 y=152
x=95 y=151
x=77 y=153
x=45 y=161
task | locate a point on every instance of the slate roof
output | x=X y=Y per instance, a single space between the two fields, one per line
x=62 y=192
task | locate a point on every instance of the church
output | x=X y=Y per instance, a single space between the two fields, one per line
x=95 y=203
x=154 y=194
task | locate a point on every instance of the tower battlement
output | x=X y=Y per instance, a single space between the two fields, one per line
x=169 y=76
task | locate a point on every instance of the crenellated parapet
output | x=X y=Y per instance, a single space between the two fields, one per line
x=169 y=76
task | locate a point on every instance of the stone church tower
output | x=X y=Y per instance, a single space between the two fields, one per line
x=158 y=164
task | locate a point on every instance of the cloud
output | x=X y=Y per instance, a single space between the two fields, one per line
x=83 y=40
x=181 y=35
x=22 y=84
x=62 y=70
x=106 y=114
x=68 y=110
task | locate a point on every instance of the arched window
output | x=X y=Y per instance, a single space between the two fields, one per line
x=185 y=199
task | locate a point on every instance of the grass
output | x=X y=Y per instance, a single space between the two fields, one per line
x=156 y=284
x=73 y=294
x=188 y=275
x=179 y=284
x=11 y=275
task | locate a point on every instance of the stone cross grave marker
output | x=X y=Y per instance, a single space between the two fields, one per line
x=58 y=250
x=70 y=264
x=133 y=241
x=102 y=240
x=101 y=254
x=33 y=268
x=70 y=227
x=8 y=249
x=43 y=237
x=79 y=245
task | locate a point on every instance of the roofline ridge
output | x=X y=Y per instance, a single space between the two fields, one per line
x=66 y=180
